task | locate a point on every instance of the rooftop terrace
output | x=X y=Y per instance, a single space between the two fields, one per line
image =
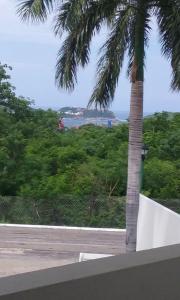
x=30 y=248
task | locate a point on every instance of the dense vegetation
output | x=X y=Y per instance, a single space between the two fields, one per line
x=77 y=177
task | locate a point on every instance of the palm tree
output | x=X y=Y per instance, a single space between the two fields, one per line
x=128 y=23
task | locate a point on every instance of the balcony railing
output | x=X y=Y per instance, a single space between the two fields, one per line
x=147 y=275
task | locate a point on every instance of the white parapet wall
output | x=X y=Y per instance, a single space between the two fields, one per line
x=158 y=226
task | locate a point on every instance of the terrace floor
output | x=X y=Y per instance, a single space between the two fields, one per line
x=26 y=248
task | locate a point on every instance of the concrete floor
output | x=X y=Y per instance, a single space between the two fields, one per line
x=25 y=249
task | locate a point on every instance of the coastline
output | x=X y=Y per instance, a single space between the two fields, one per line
x=80 y=121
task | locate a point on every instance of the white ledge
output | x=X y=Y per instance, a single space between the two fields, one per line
x=61 y=227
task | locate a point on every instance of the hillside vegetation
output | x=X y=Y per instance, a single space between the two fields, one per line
x=77 y=177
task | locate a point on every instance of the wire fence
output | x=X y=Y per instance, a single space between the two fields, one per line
x=105 y=212
x=66 y=210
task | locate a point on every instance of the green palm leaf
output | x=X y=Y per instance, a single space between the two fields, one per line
x=168 y=16
x=82 y=21
x=36 y=10
x=110 y=64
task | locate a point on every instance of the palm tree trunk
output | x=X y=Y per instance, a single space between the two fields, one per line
x=134 y=164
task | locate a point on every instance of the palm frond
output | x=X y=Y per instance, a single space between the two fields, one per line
x=81 y=28
x=168 y=17
x=66 y=66
x=70 y=13
x=110 y=64
x=35 y=10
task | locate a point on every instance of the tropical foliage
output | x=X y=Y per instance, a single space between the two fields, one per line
x=77 y=177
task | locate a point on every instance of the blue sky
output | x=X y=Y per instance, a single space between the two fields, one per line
x=31 y=50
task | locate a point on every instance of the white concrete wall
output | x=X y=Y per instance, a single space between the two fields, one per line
x=158 y=226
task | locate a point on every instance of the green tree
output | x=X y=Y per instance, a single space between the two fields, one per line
x=162 y=179
x=129 y=25
x=13 y=111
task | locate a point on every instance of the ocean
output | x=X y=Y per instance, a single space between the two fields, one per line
x=120 y=117
x=79 y=121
